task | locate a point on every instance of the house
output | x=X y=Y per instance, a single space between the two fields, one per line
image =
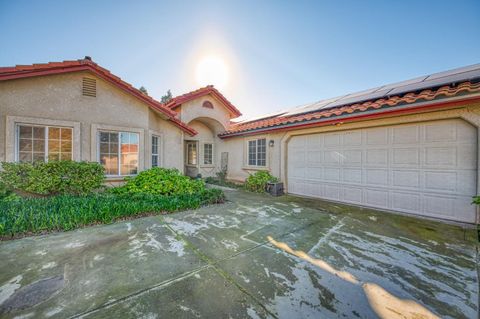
x=410 y=147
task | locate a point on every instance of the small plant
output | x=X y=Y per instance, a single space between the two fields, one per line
x=476 y=200
x=160 y=181
x=52 y=178
x=258 y=182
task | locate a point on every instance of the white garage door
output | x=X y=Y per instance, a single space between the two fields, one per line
x=427 y=169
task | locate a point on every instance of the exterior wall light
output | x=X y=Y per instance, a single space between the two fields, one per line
x=271 y=143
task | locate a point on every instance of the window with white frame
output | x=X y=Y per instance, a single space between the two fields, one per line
x=208 y=154
x=119 y=152
x=43 y=143
x=192 y=153
x=155 y=151
x=257 y=152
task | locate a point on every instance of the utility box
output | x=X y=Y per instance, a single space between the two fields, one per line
x=275 y=189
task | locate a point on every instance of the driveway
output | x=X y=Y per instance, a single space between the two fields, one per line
x=256 y=256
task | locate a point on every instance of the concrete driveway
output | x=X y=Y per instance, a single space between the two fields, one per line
x=255 y=256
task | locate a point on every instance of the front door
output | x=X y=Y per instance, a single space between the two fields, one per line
x=191 y=158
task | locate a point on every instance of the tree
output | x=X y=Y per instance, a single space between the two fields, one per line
x=143 y=90
x=167 y=97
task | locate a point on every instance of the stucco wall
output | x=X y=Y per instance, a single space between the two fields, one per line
x=59 y=98
x=277 y=155
x=192 y=110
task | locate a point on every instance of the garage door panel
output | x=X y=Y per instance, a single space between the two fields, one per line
x=445 y=157
x=425 y=168
x=406 y=157
x=332 y=192
x=352 y=175
x=353 y=138
x=377 y=136
x=376 y=157
x=376 y=198
x=441 y=132
x=352 y=195
x=407 y=134
x=331 y=174
x=332 y=140
x=406 y=179
x=377 y=177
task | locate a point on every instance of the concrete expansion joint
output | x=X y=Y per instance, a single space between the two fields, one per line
x=138 y=293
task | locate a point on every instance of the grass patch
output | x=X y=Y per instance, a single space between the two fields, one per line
x=24 y=216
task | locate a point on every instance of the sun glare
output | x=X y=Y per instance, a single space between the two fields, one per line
x=212 y=70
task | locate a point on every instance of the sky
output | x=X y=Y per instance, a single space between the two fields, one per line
x=273 y=55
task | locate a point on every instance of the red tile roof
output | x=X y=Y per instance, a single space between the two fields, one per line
x=383 y=103
x=209 y=89
x=24 y=71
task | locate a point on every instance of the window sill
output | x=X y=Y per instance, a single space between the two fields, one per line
x=207 y=166
x=255 y=168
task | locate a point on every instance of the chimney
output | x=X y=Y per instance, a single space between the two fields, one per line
x=87 y=57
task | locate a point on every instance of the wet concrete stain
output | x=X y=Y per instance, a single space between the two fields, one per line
x=322 y=260
x=33 y=294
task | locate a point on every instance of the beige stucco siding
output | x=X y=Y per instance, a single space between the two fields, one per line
x=277 y=155
x=59 y=98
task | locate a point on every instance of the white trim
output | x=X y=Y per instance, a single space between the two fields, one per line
x=11 y=134
x=148 y=149
x=202 y=148
x=95 y=143
x=246 y=165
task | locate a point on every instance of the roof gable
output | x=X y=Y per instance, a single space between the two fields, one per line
x=26 y=71
x=210 y=89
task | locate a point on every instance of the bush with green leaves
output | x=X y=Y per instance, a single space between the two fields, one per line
x=65 y=212
x=52 y=178
x=160 y=181
x=476 y=200
x=258 y=182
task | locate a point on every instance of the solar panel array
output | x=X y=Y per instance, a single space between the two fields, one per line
x=468 y=73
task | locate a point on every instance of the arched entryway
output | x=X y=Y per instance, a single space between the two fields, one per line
x=202 y=156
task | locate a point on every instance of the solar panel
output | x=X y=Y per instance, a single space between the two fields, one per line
x=467 y=73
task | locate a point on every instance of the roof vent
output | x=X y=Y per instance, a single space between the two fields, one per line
x=87 y=57
x=207 y=104
x=89 y=87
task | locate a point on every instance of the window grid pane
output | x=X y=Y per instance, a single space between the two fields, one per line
x=155 y=153
x=261 y=152
x=109 y=152
x=192 y=154
x=129 y=153
x=252 y=153
x=207 y=154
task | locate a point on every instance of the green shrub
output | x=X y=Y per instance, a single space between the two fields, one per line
x=52 y=178
x=66 y=212
x=160 y=181
x=258 y=182
x=476 y=200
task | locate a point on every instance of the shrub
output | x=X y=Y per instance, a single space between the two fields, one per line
x=258 y=182
x=66 y=212
x=476 y=200
x=56 y=177
x=160 y=181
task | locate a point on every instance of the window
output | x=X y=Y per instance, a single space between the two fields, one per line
x=208 y=154
x=191 y=153
x=257 y=152
x=43 y=143
x=155 y=151
x=119 y=152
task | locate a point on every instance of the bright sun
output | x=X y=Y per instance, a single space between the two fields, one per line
x=212 y=70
